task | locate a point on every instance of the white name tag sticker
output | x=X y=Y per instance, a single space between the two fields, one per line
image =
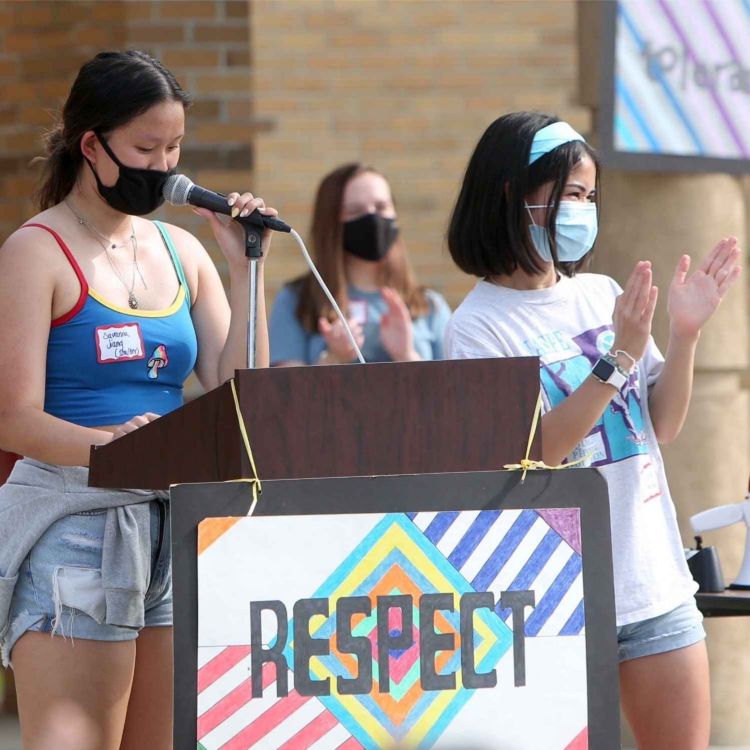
x=119 y=343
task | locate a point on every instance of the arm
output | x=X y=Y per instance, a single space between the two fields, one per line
x=440 y=315
x=29 y=266
x=564 y=426
x=289 y=339
x=692 y=301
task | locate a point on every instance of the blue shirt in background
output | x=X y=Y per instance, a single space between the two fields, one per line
x=291 y=342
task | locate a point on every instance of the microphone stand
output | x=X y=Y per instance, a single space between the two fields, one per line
x=253 y=227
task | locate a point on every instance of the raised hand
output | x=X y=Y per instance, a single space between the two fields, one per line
x=396 y=329
x=634 y=312
x=693 y=299
x=340 y=349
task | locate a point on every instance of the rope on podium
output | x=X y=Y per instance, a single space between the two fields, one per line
x=254 y=480
x=528 y=464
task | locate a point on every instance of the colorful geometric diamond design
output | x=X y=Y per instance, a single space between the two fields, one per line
x=396 y=558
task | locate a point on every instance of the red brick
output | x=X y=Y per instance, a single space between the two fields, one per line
x=184 y=9
x=156 y=33
x=236 y=8
x=26 y=41
x=191 y=57
x=32 y=14
x=238 y=58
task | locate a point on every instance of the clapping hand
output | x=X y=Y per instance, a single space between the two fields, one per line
x=396 y=329
x=338 y=345
x=693 y=299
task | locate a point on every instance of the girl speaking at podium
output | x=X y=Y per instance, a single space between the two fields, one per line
x=525 y=223
x=104 y=315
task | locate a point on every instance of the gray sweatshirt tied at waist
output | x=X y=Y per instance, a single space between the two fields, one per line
x=38 y=494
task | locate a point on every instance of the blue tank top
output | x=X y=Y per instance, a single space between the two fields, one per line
x=107 y=364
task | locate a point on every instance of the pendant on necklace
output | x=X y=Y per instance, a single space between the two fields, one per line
x=132 y=301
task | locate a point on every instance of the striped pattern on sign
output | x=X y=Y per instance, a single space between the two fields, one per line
x=679 y=82
x=510 y=550
x=229 y=720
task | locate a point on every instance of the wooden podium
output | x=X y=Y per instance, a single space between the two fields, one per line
x=395 y=444
x=336 y=421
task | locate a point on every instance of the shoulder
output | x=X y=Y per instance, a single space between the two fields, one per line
x=471 y=317
x=188 y=247
x=33 y=248
x=437 y=302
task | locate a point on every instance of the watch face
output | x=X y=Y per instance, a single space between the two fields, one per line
x=603 y=370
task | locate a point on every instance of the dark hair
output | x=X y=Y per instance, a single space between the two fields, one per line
x=328 y=253
x=489 y=229
x=109 y=91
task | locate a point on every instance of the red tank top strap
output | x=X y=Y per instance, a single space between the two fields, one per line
x=76 y=268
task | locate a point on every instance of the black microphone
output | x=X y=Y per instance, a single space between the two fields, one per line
x=181 y=191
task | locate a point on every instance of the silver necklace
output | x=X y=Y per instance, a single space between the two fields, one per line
x=106 y=243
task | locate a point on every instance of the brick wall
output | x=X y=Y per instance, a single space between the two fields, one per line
x=406 y=86
x=205 y=44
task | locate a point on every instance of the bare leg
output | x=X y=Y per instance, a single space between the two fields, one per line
x=666 y=699
x=72 y=695
x=149 y=719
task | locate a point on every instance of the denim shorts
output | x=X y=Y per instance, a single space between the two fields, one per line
x=59 y=588
x=681 y=627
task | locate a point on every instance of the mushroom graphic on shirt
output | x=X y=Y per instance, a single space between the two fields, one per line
x=157 y=360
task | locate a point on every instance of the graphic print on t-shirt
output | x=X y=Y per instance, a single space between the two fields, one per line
x=565 y=363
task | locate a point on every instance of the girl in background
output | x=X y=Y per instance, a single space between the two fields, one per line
x=357 y=249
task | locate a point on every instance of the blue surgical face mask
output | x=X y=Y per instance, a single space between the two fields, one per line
x=575 y=231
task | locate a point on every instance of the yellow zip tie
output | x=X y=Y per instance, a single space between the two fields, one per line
x=255 y=481
x=528 y=464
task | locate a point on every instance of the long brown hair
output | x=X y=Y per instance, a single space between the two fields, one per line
x=110 y=90
x=328 y=254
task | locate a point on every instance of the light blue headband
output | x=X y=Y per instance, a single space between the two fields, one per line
x=551 y=137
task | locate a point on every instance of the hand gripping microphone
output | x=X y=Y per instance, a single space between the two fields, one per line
x=181 y=191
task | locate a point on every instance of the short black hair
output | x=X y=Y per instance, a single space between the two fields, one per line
x=489 y=233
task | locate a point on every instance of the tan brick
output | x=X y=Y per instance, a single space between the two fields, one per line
x=205 y=109
x=228 y=82
x=162 y=33
x=238 y=58
x=239 y=109
x=222 y=33
x=191 y=57
x=183 y=9
x=226 y=181
x=222 y=132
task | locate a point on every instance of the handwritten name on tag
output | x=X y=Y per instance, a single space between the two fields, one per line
x=119 y=343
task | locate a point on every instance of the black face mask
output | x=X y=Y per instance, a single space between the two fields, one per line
x=370 y=237
x=137 y=191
